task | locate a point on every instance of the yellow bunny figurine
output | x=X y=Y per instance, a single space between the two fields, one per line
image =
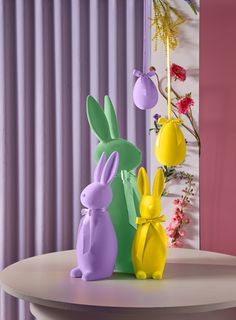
x=150 y=241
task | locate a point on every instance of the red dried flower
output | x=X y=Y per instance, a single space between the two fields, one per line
x=183 y=204
x=184 y=104
x=176 y=201
x=177 y=72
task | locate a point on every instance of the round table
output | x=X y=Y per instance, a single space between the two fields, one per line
x=196 y=285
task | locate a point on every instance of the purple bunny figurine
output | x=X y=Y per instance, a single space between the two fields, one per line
x=96 y=241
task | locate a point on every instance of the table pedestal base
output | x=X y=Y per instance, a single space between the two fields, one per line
x=47 y=313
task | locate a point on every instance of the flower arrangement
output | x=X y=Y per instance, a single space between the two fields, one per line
x=182 y=105
x=165 y=22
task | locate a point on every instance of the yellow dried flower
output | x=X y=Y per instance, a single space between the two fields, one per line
x=165 y=21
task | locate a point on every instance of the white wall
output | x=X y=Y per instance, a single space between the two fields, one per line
x=186 y=55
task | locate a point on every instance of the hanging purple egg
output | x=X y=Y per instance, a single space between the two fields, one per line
x=145 y=93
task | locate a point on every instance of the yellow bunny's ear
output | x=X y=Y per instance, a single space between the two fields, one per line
x=143 y=183
x=159 y=183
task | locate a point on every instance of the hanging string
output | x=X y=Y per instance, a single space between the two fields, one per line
x=168 y=79
x=144 y=36
x=168 y=66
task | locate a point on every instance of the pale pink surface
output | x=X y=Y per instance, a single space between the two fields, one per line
x=218 y=125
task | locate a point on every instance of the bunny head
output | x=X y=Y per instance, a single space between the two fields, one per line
x=150 y=204
x=105 y=126
x=98 y=194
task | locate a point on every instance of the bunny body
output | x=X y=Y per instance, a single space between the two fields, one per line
x=99 y=262
x=124 y=231
x=96 y=247
x=154 y=257
x=104 y=125
x=150 y=241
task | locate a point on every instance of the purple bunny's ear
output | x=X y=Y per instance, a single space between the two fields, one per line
x=99 y=168
x=110 y=168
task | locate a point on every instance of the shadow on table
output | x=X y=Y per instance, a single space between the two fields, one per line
x=186 y=270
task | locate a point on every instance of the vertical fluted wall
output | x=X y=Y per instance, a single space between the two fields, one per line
x=52 y=55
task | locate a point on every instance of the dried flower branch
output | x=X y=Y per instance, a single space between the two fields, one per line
x=165 y=21
x=175 y=229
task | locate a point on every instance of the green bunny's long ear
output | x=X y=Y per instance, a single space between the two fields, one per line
x=97 y=120
x=111 y=117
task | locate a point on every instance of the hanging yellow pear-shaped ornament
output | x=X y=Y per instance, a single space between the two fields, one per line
x=170 y=147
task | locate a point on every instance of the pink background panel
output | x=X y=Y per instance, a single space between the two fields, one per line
x=218 y=125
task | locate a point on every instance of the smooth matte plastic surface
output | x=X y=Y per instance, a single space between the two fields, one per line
x=150 y=241
x=96 y=242
x=125 y=203
x=170 y=147
x=145 y=94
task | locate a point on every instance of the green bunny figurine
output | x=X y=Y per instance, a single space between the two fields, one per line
x=125 y=202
